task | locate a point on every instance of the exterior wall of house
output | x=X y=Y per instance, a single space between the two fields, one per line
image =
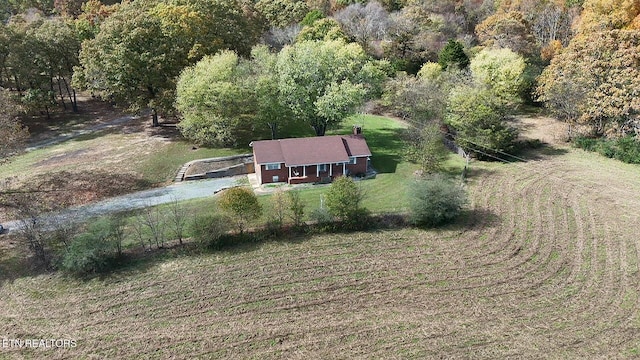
x=257 y=168
x=360 y=167
x=267 y=175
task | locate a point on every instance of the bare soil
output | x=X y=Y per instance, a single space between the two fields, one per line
x=91 y=166
x=546 y=129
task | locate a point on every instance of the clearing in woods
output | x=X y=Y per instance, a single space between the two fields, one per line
x=544 y=264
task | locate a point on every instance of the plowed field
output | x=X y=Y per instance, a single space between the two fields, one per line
x=544 y=265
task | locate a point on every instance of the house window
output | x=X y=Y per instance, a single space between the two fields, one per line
x=272 y=167
x=352 y=160
x=322 y=168
x=275 y=178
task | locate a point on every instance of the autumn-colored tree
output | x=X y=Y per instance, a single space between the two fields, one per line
x=507 y=30
x=594 y=82
x=93 y=13
x=599 y=15
x=364 y=23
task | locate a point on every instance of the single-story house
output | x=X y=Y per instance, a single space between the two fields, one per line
x=312 y=159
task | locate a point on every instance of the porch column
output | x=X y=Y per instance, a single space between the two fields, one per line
x=317 y=170
x=289 y=178
x=304 y=170
x=330 y=169
x=344 y=169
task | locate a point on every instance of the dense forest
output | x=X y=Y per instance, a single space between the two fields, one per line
x=232 y=70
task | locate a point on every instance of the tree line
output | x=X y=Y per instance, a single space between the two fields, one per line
x=312 y=62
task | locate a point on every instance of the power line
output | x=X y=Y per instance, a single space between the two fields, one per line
x=622 y=191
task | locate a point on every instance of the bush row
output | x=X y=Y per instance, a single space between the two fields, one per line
x=625 y=149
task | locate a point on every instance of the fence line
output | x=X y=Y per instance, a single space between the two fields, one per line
x=451 y=145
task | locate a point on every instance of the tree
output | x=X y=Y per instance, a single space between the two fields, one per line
x=208 y=230
x=325 y=29
x=279 y=205
x=502 y=71
x=91 y=252
x=422 y=98
x=428 y=149
x=12 y=132
x=320 y=82
x=150 y=225
x=177 y=217
x=212 y=101
x=603 y=15
x=479 y=122
x=224 y=98
x=140 y=50
x=241 y=204
x=507 y=30
x=364 y=23
x=93 y=13
x=131 y=61
x=262 y=80
x=593 y=82
x=453 y=54
x=52 y=47
x=282 y=13
x=435 y=200
x=344 y=199
x=57 y=55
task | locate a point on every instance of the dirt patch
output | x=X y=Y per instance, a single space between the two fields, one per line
x=545 y=129
x=62 y=159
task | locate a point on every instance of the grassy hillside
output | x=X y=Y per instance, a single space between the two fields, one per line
x=544 y=263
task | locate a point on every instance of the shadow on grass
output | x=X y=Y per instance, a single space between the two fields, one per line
x=536 y=150
x=544 y=151
x=386 y=147
x=16 y=266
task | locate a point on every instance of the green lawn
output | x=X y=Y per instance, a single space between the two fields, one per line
x=387 y=192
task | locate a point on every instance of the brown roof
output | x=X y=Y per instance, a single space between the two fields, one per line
x=311 y=150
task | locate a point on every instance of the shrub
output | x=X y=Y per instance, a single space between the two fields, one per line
x=344 y=198
x=242 y=206
x=626 y=149
x=208 y=230
x=435 y=200
x=89 y=253
x=323 y=218
x=296 y=207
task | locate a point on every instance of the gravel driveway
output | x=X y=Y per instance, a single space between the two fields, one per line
x=179 y=191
